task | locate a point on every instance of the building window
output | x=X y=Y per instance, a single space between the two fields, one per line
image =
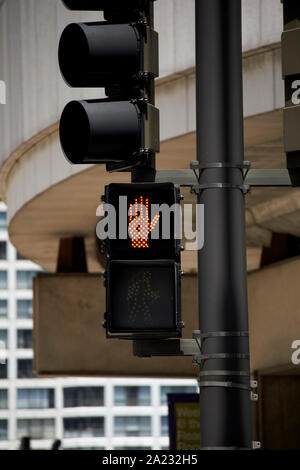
x=3 y=399
x=3 y=369
x=83 y=427
x=3 y=429
x=36 y=428
x=83 y=396
x=19 y=256
x=164 y=390
x=24 y=308
x=3 y=250
x=25 y=369
x=3 y=280
x=3 y=339
x=3 y=308
x=35 y=398
x=3 y=221
x=164 y=426
x=24 y=339
x=132 y=396
x=132 y=426
x=24 y=279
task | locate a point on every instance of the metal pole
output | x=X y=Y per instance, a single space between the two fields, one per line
x=224 y=382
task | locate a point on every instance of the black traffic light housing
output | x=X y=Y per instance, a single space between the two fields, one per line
x=143 y=273
x=102 y=131
x=108 y=55
x=120 y=55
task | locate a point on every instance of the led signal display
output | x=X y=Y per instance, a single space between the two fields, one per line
x=147 y=221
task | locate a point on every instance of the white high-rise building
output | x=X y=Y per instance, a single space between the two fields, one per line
x=84 y=413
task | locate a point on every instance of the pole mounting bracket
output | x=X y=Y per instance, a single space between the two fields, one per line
x=197 y=189
x=227 y=384
x=254 y=178
x=199 y=167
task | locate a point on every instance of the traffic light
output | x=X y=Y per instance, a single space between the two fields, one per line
x=143 y=273
x=120 y=55
x=291 y=75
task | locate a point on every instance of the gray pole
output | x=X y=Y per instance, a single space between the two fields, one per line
x=224 y=382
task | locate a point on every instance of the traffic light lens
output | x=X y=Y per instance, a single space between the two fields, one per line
x=73 y=52
x=100 y=54
x=140 y=224
x=75 y=132
x=99 y=131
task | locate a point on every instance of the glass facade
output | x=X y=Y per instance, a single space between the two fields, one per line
x=132 y=396
x=132 y=426
x=83 y=396
x=3 y=369
x=3 y=220
x=24 y=339
x=3 y=429
x=36 y=428
x=164 y=426
x=25 y=370
x=3 y=399
x=83 y=427
x=35 y=398
x=19 y=256
x=3 y=339
x=3 y=308
x=3 y=250
x=3 y=280
x=24 y=279
x=24 y=308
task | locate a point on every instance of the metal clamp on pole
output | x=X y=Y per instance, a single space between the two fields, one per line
x=200 y=337
x=198 y=359
x=216 y=383
x=244 y=167
x=245 y=188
